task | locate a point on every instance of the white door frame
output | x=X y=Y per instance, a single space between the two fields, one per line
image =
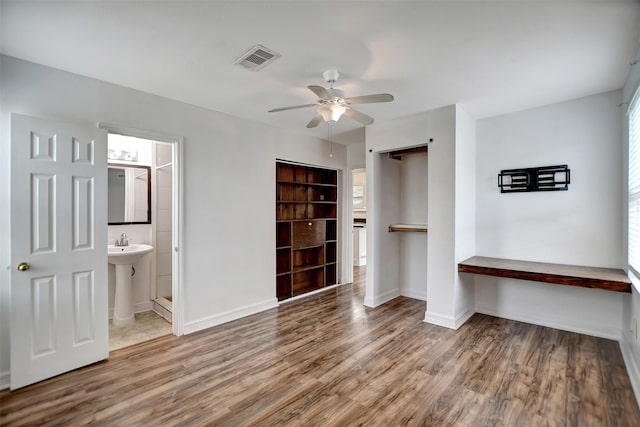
x=347 y=226
x=177 y=286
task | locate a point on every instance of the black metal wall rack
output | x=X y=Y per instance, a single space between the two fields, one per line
x=545 y=178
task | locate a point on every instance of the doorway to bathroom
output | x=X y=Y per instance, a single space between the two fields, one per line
x=143 y=215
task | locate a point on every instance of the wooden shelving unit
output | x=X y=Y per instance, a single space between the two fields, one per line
x=306 y=229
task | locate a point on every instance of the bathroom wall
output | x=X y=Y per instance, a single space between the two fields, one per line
x=163 y=218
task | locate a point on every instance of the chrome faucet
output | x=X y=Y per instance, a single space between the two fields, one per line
x=123 y=241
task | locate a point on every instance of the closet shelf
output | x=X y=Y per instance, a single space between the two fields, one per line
x=314 y=184
x=415 y=228
x=309 y=202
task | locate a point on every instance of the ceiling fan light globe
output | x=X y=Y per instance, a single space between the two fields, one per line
x=331 y=113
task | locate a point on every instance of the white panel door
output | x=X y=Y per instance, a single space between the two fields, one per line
x=59 y=307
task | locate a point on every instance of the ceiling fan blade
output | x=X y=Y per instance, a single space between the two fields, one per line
x=321 y=92
x=358 y=116
x=275 y=110
x=315 y=121
x=368 y=99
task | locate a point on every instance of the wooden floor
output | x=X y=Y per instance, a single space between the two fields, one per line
x=327 y=360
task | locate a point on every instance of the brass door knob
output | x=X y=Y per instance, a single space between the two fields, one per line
x=23 y=266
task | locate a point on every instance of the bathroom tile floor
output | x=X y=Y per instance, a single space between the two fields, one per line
x=148 y=325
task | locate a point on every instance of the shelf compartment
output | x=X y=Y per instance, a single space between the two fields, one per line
x=284 y=212
x=325 y=176
x=300 y=175
x=304 y=259
x=283 y=287
x=330 y=252
x=284 y=172
x=300 y=211
x=322 y=194
x=330 y=274
x=300 y=193
x=284 y=193
x=283 y=261
x=307 y=281
x=321 y=210
x=331 y=232
x=283 y=234
x=408 y=228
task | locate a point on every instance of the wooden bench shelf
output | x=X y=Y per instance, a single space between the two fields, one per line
x=609 y=279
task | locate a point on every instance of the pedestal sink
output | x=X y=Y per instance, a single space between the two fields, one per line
x=123 y=257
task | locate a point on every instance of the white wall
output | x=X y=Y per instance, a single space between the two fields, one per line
x=413 y=210
x=383 y=248
x=163 y=186
x=465 y=211
x=356 y=158
x=229 y=183
x=630 y=343
x=581 y=226
x=441 y=268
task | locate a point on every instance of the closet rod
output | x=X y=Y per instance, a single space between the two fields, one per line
x=416 y=228
x=164 y=166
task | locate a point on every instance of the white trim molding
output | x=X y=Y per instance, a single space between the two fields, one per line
x=439 y=320
x=632 y=368
x=5 y=380
x=422 y=296
x=608 y=334
x=462 y=318
x=384 y=297
x=447 y=321
x=228 y=316
x=308 y=294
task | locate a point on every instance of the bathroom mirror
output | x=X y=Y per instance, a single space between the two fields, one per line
x=129 y=194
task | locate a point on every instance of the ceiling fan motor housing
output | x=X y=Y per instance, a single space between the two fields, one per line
x=338 y=97
x=331 y=76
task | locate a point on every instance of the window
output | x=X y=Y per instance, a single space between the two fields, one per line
x=634 y=184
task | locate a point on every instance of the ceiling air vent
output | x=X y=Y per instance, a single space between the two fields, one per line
x=257 y=58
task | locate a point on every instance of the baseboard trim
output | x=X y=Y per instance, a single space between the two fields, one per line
x=610 y=335
x=439 y=319
x=384 y=297
x=447 y=321
x=368 y=301
x=5 y=380
x=462 y=318
x=308 y=294
x=422 y=296
x=632 y=367
x=228 y=316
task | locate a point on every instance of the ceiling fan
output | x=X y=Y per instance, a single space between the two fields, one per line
x=332 y=103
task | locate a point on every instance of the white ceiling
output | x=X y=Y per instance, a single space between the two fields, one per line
x=491 y=57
